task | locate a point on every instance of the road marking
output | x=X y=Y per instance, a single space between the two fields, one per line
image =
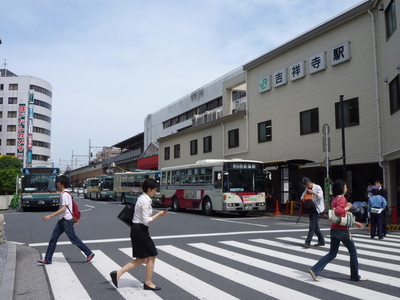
x=183 y=236
x=128 y=286
x=389 y=280
x=189 y=283
x=238 y=222
x=64 y=283
x=343 y=249
x=329 y=284
x=264 y=286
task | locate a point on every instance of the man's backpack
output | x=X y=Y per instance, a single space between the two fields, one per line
x=308 y=204
x=76 y=213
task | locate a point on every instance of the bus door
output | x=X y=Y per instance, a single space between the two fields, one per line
x=217 y=201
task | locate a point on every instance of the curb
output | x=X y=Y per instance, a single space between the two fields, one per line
x=8 y=280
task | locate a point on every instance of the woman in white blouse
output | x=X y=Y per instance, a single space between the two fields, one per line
x=143 y=248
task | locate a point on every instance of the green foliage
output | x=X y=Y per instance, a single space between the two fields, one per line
x=14 y=202
x=10 y=168
x=10 y=161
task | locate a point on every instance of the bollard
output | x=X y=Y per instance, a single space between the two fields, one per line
x=2 y=241
x=291 y=207
x=277 y=212
x=287 y=207
x=395 y=217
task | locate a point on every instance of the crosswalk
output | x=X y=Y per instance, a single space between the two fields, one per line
x=260 y=268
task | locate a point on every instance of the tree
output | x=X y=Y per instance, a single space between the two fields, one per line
x=10 y=167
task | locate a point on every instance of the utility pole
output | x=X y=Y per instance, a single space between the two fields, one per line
x=343 y=138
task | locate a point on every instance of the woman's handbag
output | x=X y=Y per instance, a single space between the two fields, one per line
x=126 y=214
x=348 y=220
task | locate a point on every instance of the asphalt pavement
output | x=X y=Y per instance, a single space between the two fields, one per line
x=21 y=278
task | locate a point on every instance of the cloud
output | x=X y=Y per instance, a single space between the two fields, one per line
x=113 y=62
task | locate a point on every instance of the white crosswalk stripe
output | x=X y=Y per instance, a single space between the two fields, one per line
x=69 y=287
x=378 y=261
x=196 y=287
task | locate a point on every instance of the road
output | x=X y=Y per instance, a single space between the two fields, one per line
x=200 y=257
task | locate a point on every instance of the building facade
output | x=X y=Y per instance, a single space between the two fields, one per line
x=25 y=118
x=326 y=103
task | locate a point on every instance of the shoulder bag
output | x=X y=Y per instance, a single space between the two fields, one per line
x=348 y=219
x=126 y=214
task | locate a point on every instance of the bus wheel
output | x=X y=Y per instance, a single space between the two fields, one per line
x=243 y=213
x=123 y=200
x=207 y=207
x=175 y=204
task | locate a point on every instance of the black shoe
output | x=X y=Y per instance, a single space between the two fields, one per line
x=319 y=244
x=146 y=287
x=113 y=276
x=306 y=246
x=381 y=237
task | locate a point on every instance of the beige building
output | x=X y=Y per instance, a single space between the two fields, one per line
x=293 y=99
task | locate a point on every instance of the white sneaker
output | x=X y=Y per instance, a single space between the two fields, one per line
x=313 y=275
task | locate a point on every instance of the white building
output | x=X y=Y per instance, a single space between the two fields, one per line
x=25 y=118
x=291 y=92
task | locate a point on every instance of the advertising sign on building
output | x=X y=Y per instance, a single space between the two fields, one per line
x=21 y=131
x=264 y=84
x=31 y=97
x=280 y=77
x=30 y=141
x=340 y=53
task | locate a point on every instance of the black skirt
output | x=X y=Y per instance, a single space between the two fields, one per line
x=142 y=244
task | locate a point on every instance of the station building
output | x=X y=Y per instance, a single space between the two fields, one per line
x=326 y=103
x=25 y=118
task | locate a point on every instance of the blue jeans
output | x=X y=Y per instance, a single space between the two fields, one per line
x=314 y=228
x=337 y=236
x=66 y=226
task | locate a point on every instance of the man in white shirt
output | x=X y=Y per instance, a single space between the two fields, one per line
x=318 y=198
x=65 y=224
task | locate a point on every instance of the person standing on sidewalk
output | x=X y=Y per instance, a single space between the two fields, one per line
x=339 y=234
x=65 y=224
x=318 y=198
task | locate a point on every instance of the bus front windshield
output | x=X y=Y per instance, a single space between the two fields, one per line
x=239 y=181
x=108 y=184
x=39 y=183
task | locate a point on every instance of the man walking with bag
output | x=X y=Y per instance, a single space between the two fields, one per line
x=65 y=224
x=315 y=191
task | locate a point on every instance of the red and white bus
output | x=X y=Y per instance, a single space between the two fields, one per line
x=227 y=185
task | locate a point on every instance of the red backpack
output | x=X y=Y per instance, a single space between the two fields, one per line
x=76 y=213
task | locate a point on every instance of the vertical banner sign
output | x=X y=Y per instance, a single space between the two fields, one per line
x=21 y=132
x=30 y=128
x=31 y=97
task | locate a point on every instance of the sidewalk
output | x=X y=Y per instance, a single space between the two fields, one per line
x=20 y=276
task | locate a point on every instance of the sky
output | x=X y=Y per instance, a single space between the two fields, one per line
x=111 y=63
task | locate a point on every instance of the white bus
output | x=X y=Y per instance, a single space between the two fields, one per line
x=227 y=185
x=128 y=185
x=99 y=188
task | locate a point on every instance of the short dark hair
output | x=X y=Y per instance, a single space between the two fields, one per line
x=63 y=179
x=149 y=183
x=379 y=181
x=338 y=187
